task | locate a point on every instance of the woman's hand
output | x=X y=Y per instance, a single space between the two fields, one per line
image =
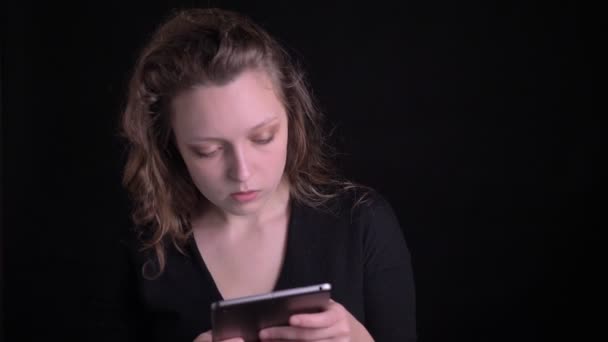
x=206 y=337
x=334 y=324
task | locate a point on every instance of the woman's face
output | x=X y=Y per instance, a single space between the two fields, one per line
x=233 y=139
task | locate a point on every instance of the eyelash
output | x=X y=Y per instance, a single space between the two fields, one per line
x=206 y=155
x=257 y=141
x=264 y=141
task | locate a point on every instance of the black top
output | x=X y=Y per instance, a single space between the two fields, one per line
x=360 y=251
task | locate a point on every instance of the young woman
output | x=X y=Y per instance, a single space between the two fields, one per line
x=233 y=194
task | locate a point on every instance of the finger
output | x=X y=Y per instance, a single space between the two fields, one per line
x=326 y=318
x=204 y=337
x=207 y=337
x=300 y=334
x=323 y=340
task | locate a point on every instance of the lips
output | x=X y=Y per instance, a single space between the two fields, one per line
x=244 y=196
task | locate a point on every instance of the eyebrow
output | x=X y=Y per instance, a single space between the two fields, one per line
x=261 y=124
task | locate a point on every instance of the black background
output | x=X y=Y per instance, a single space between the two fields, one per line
x=470 y=117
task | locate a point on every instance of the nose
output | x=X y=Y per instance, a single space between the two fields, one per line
x=240 y=169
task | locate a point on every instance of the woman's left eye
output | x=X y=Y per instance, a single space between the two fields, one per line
x=263 y=141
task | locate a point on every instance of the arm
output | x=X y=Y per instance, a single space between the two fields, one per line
x=388 y=289
x=389 y=284
x=112 y=306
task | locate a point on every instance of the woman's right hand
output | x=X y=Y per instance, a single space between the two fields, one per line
x=206 y=337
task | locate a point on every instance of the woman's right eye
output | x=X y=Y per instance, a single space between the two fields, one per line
x=206 y=154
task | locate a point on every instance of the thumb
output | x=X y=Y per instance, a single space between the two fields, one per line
x=204 y=337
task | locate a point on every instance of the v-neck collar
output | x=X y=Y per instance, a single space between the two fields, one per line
x=283 y=280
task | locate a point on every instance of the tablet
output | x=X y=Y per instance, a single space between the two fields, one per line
x=246 y=316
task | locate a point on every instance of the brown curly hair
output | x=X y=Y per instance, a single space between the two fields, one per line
x=209 y=46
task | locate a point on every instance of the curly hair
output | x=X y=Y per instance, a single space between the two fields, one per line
x=202 y=47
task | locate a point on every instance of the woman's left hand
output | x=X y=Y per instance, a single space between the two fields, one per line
x=334 y=324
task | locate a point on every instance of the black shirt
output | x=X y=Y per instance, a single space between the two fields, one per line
x=361 y=251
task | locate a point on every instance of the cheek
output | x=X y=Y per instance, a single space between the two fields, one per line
x=204 y=176
x=275 y=161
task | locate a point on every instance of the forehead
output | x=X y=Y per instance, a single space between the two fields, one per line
x=226 y=110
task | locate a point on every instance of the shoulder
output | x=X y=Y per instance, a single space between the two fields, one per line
x=133 y=238
x=365 y=218
x=372 y=215
x=360 y=203
x=382 y=236
x=358 y=207
x=135 y=242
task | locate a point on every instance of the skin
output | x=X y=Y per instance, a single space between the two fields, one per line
x=233 y=138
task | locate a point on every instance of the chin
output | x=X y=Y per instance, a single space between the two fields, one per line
x=243 y=209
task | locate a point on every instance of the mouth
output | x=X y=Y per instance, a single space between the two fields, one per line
x=244 y=196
